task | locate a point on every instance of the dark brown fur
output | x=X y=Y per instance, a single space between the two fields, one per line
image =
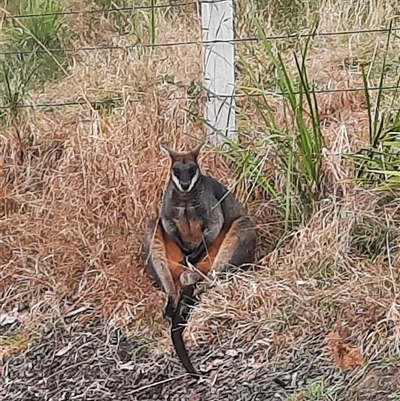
x=206 y=226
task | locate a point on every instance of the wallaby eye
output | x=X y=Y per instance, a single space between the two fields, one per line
x=192 y=170
x=176 y=172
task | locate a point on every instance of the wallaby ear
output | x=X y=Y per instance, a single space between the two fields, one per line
x=196 y=151
x=165 y=149
x=171 y=153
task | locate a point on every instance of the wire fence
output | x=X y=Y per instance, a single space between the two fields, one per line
x=116 y=9
x=138 y=46
x=128 y=99
x=104 y=10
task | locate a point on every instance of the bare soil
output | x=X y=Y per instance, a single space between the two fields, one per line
x=97 y=362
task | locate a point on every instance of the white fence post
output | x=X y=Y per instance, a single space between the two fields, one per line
x=219 y=67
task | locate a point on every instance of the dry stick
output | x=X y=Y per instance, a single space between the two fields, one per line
x=154 y=384
x=388 y=251
x=75 y=365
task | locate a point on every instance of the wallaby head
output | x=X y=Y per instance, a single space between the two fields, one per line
x=185 y=171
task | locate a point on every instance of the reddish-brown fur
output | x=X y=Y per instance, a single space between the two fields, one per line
x=191 y=231
x=175 y=256
x=205 y=226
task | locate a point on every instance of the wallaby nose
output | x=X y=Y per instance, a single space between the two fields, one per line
x=185 y=185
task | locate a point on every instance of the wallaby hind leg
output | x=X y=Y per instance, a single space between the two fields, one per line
x=161 y=262
x=231 y=250
x=238 y=246
x=207 y=262
x=175 y=257
x=203 y=267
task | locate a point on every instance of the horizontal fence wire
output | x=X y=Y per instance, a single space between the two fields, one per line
x=202 y=42
x=96 y=103
x=103 y=10
x=115 y=9
x=173 y=44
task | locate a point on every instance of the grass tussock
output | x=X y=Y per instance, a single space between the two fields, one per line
x=317 y=281
x=78 y=182
x=33 y=49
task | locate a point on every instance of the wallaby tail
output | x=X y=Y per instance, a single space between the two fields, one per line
x=181 y=316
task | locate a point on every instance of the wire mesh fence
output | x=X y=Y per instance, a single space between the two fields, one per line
x=132 y=48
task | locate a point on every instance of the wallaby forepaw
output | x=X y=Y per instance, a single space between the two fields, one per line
x=189 y=278
x=189 y=250
x=194 y=257
x=201 y=288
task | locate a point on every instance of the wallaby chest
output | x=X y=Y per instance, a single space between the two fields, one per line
x=192 y=215
x=189 y=220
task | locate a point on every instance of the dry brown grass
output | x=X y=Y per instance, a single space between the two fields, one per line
x=77 y=184
x=75 y=201
x=315 y=281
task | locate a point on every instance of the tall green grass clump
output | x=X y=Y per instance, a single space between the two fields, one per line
x=34 y=38
x=28 y=42
x=13 y=90
x=296 y=146
x=378 y=164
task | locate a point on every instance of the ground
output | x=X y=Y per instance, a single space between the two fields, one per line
x=97 y=363
x=316 y=317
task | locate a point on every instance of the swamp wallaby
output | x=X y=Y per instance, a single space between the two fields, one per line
x=202 y=225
